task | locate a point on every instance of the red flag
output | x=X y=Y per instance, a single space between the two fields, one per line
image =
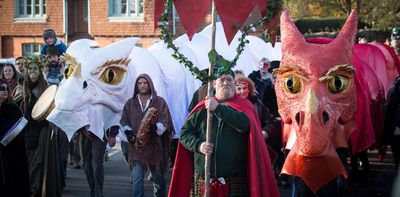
x=272 y=25
x=191 y=13
x=233 y=14
x=158 y=10
x=262 y=4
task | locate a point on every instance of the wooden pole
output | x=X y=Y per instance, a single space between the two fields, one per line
x=209 y=115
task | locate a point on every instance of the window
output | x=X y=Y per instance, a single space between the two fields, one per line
x=129 y=10
x=31 y=49
x=30 y=9
x=85 y=10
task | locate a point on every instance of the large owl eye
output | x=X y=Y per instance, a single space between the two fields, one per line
x=113 y=75
x=338 y=84
x=293 y=84
x=68 y=71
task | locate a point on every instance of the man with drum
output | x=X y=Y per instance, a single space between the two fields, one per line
x=43 y=159
x=147 y=122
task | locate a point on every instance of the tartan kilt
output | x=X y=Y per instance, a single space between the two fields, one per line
x=238 y=185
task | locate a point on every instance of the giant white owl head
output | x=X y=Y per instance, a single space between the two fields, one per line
x=97 y=84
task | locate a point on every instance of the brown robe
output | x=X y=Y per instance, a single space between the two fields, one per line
x=156 y=150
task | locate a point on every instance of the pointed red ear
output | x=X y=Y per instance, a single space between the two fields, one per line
x=346 y=37
x=290 y=35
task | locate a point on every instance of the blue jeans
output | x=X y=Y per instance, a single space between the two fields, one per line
x=159 y=185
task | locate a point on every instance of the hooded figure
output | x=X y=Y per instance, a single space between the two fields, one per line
x=151 y=151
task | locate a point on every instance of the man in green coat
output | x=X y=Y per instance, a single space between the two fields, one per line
x=239 y=159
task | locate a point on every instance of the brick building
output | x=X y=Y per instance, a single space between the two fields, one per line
x=23 y=21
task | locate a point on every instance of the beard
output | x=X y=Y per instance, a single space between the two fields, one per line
x=53 y=63
x=225 y=93
x=144 y=92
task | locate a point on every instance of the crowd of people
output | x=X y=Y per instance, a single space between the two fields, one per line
x=245 y=147
x=41 y=149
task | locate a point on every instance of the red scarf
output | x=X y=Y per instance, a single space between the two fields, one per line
x=259 y=171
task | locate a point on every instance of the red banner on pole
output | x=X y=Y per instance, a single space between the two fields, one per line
x=233 y=14
x=191 y=14
x=263 y=4
x=158 y=10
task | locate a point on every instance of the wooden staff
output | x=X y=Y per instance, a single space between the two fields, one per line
x=209 y=115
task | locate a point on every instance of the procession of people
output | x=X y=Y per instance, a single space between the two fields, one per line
x=289 y=123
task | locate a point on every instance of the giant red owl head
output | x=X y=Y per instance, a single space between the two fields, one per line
x=316 y=96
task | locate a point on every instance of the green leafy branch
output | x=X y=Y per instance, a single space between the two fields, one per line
x=166 y=36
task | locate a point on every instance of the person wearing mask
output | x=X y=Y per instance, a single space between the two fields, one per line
x=45 y=170
x=271 y=129
x=245 y=89
x=262 y=78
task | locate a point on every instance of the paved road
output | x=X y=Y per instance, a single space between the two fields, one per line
x=117 y=180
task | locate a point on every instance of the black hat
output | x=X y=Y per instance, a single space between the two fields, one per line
x=49 y=33
x=52 y=50
x=274 y=64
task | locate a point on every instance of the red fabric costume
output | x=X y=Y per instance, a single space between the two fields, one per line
x=261 y=178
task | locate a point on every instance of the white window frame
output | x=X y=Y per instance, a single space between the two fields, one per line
x=28 y=49
x=33 y=16
x=127 y=16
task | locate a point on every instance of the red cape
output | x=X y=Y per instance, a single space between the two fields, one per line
x=261 y=178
